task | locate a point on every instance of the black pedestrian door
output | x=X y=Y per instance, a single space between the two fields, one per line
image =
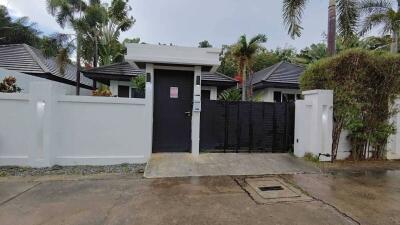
x=173 y=96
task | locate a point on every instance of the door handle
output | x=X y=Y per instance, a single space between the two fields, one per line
x=188 y=114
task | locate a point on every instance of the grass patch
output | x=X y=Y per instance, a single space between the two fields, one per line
x=311 y=157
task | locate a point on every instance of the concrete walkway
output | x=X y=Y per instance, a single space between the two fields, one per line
x=215 y=164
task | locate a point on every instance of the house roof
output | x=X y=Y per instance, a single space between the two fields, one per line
x=125 y=70
x=27 y=59
x=282 y=73
x=216 y=77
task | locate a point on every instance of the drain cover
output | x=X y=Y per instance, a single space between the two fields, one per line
x=272 y=190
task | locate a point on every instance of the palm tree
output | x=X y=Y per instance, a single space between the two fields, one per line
x=68 y=12
x=347 y=19
x=382 y=13
x=244 y=52
x=110 y=49
x=89 y=25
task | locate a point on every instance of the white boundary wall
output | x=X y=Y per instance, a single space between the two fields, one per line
x=313 y=124
x=46 y=127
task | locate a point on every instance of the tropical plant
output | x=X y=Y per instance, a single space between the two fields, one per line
x=312 y=53
x=228 y=63
x=286 y=54
x=231 y=95
x=205 y=44
x=103 y=90
x=17 y=31
x=347 y=19
x=110 y=49
x=381 y=13
x=69 y=12
x=139 y=84
x=264 y=59
x=8 y=85
x=94 y=16
x=376 y=43
x=131 y=41
x=243 y=52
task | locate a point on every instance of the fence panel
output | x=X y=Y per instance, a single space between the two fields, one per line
x=246 y=126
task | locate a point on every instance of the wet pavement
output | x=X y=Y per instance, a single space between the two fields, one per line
x=163 y=165
x=340 y=198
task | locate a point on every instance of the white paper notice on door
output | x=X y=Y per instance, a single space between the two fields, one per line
x=173 y=92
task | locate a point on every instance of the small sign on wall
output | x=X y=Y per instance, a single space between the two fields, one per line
x=173 y=92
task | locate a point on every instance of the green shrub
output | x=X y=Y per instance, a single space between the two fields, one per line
x=364 y=84
x=232 y=95
x=139 y=83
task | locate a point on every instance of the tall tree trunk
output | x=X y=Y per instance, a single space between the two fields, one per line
x=395 y=40
x=244 y=83
x=78 y=63
x=95 y=58
x=331 y=50
x=96 y=52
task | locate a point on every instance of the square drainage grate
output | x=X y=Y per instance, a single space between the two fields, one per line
x=273 y=190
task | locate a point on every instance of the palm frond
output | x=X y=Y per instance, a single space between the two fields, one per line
x=292 y=15
x=375 y=6
x=260 y=38
x=348 y=17
x=372 y=21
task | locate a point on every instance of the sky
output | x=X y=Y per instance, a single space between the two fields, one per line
x=187 y=22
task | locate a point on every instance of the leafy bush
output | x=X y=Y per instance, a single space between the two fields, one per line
x=232 y=95
x=103 y=90
x=8 y=85
x=139 y=83
x=364 y=84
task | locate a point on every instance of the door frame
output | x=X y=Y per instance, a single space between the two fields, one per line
x=173 y=68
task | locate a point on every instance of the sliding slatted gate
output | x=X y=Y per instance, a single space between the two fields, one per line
x=246 y=126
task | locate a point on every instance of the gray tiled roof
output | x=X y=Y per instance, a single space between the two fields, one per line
x=282 y=72
x=216 y=77
x=123 y=68
x=26 y=59
x=126 y=69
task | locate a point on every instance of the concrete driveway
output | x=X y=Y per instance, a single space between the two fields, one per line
x=221 y=164
x=359 y=198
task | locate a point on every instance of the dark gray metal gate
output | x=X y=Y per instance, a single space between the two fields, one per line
x=246 y=126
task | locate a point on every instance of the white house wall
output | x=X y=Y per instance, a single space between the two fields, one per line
x=213 y=91
x=172 y=54
x=267 y=94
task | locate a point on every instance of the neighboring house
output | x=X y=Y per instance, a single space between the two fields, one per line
x=118 y=77
x=213 y=83
x=277 y=83
x=30 y=61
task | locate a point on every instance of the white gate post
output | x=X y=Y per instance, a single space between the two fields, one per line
x=393 y=146
x=196 y=111
x=313 y=124
x=43 y=97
